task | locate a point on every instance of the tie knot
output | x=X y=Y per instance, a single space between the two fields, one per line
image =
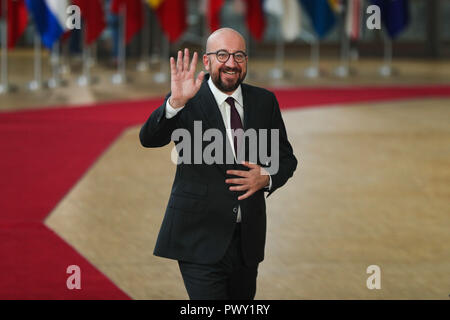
x=230 y=101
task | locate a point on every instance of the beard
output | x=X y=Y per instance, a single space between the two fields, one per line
x=228 y=86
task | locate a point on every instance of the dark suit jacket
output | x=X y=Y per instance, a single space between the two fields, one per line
x=201 y=212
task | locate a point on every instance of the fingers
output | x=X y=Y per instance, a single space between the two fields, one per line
x=180 y=61
x=173 y=67
x=236 y=181
x=250 y=190
x=250 y=165
x=199 y=80
x=193 y=63
x=239 y=173
x=246 y=195
x=244 y=185
x=186 y=60
x=239 y=188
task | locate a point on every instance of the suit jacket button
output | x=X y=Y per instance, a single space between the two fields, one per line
x=235 y=210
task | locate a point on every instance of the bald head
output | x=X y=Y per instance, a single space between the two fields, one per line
x=225 y=38
x=228 y=74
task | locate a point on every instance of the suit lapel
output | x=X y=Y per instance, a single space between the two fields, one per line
x=210 y=108
x=213 y=117
x=248 y=112
x=249 y=118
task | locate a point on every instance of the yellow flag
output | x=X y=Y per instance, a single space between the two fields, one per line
x=154 y=4
x=336 y=5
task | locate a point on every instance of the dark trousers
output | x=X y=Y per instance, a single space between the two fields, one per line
x=229 y=279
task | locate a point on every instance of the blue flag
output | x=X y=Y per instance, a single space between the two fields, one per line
x=321 y=15
x=394 y=14
x=49 y=18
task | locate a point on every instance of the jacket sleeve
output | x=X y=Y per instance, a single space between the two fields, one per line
x=288 y=161
x=157 y=130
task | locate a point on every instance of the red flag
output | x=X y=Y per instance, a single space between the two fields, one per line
x=94 y=18
x=353 y=19
x=134 y=19
x=172 y=17
x=213 y=13
x=17 y=20
x=255 y=18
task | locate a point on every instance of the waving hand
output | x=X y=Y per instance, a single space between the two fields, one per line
x=183 y=83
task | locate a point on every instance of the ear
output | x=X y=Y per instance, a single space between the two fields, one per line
x=206 y=62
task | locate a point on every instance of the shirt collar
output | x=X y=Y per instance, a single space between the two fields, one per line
x=221 y=97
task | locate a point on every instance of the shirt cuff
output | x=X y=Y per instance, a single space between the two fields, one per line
x=269 y=186
x=171 y=111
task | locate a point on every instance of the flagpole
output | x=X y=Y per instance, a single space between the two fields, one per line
x=386 y=69
x=55 y=61
x=250 y=74
x=206 y=30
x=64 y=67
x=93 y=55
x=162 y=76
x=36 y=83
x=4 y=85
x=313 y=71
x=277 y=72
x=343 y=70
x=144 y=64
x=156 y=39
x=85 y=79
x=120 y=77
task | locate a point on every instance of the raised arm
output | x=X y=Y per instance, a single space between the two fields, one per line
x=157 y=130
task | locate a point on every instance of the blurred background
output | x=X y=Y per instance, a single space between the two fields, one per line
x=367 y=112
x=307 y=44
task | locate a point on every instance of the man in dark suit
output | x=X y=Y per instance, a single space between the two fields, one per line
x=215 y=221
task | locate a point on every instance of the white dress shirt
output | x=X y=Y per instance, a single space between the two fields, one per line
x=225 y=111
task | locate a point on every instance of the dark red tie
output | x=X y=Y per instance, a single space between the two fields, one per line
x=235 y=121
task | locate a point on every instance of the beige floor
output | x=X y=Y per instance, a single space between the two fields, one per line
x=372 y=188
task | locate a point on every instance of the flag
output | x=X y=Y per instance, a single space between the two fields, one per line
x=94 y=18
x=255 y=18
x=321 y=15
x=353 y=19
x=274 y=7
x=394 y=14
x=288 y=13
x=50 y=19
x=17 y=18
x=154 y=4
x=213 y=13
x=238 y=7
x=291 y=23
x=172 y=18
x=337 y=5
x=134 y=16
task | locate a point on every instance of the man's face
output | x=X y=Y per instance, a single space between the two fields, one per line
x=227 y=76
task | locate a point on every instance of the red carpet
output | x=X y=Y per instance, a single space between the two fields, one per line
x=45 y=152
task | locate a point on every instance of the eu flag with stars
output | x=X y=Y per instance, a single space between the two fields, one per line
x=394 y=14
x=321 y=15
